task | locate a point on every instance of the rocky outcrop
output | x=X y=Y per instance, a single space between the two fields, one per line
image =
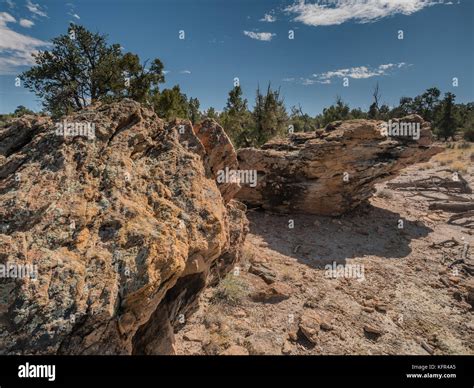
x=120 y=223
x=331 y=171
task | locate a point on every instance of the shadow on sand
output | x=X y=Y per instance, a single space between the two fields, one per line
x=317 y=241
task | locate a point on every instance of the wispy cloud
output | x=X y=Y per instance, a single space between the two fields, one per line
x=269 y=18
x=263 y=36
x=185 y=72
x=36 y=9
x=325 y=13
x=358 y=72
x=15 y=49
x=26 y=23
x=72 y=11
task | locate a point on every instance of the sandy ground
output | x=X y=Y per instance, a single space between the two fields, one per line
x=399 y=293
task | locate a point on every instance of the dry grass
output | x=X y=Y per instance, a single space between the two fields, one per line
x=456 y=156
x=231 y=290
x=425 y=166
x=459 y=166
x=385 y=193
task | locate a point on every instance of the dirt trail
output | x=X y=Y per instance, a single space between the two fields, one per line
x=400 y=298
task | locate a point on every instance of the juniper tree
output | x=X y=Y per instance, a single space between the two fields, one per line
x=236 y=118
x=447 y=124
x=81 y=68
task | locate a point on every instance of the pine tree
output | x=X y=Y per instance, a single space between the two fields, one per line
x=446 y=124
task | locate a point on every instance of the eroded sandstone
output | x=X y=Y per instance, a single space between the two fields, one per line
x=330 y=171
x=125 y=230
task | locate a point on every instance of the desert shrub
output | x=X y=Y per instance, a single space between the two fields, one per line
x=231 y=290
x=469 y=134
x=464 y=145
x=459 y=166
x=384 y=193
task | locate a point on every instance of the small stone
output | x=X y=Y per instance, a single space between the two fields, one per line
x=381 y=308
x=194 y=335
x=263 y=272
x=265 y=342
x=454 y=279
x=274 y=293
x=310 y=325
x=372 y=331
x=287 y=349
x=326 y=326
x=427 y=347
x=235 y=350
x=310 y=304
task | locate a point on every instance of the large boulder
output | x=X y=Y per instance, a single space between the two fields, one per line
x=332 y=170
x=120 y=224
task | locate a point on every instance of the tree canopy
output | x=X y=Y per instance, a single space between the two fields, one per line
x=82 y=68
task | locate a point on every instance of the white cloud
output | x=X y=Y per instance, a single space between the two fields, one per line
x=359 y=72
x=307 y=81
x=5 y=18
x=26 y=23
x=75 y=15
x=268 y=18
x=35 y=9
x=324 y=13
x=185 y=72
x=15 y=48
x=264 y=36
x=312 y=81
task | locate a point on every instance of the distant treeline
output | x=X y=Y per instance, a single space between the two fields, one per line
x=269 y=117
x=82 y=68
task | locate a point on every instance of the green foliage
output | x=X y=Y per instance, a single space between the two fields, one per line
x=270 y=117
x=22 y=110
x=81 y=68
x=302 y=122
x=236 y=118
x=339 y=111
x=426 y=104
x=211 y=114
x=465 y=114
x=446 y=124
x=193 y=110
x=357 y=113
x=231 y=291
x=171 y=104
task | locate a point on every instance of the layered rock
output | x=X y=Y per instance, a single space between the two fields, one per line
x=124 y=223
x=330 y=171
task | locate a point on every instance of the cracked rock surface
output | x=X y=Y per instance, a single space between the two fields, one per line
x=330 y=171
x=125 y=231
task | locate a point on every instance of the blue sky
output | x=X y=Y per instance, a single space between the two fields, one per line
x=224 y=39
